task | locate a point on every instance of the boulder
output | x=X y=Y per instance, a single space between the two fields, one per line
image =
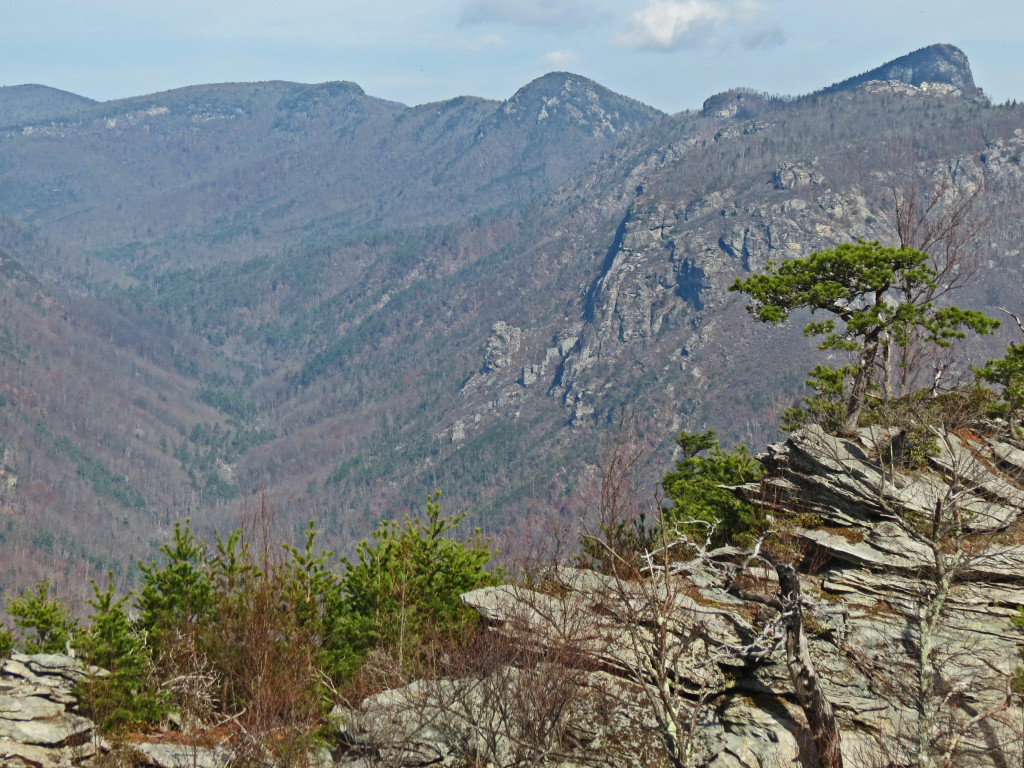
x=166 y=755
x=38 y=726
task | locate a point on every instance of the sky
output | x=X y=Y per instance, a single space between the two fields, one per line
x=670 y=54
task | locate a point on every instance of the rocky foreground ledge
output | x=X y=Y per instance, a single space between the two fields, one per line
x=37 y=726
x=571 y=668
x=40 y=727
x=865 y=528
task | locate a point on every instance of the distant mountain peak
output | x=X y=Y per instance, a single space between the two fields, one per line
x=552 y=89
x=563 y=97
x=20 y=103
x=934 y=65
x=736 y=102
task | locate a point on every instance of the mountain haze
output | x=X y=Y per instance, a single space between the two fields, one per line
x=348 y=302
x=35 y=102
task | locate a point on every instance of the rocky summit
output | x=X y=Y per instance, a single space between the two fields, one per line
x=934 y=65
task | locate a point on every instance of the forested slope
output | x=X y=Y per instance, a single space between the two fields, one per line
x=348 y=302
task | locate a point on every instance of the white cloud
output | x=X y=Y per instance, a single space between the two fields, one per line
x=749 y=11
x=668 y=25
x=546 y=13
x=559 y=59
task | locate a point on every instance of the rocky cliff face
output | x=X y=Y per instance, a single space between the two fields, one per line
x=651 y=324
x=664 y=281
x=934 y=65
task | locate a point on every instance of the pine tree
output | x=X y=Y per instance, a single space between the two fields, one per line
x=1007 y=373
x=177 y=596
x=119 y=693
x=405 y=586
x=695 y=485
x=875 y=297
x=46 y=618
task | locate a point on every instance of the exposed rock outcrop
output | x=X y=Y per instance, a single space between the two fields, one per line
x=795 y=176
x=172 y=755
x=740 y=103
x=862 y=523
x=502 y=345
x=934 y=65
x=38 y=726
x=41 y=725
x=910 y=543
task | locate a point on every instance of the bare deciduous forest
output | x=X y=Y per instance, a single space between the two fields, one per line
x=222 y=291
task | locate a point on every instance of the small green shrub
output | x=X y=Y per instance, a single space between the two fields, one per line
x=6 y=643
x=404 y=588
x=826 y=407
x=695 y=487
x=45 y=622
x=1007 y=373
x=177 y=596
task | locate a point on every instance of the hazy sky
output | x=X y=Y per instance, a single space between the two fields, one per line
x=671 y=54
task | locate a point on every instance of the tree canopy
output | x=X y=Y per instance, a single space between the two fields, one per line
x=876 y=296
x=1008 y=373
x=406 y=582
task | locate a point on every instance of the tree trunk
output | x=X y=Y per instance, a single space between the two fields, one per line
x=816 y=706
x=887 y=391
x=859 y=391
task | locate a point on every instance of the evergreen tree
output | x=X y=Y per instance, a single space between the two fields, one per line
x=311 y=584
x=46 y=618
x=875 y=296
x=405 y=586
x=1007 y=373
x=6 y=643
x=694 y=486
x=121 y=694
x=177 y=596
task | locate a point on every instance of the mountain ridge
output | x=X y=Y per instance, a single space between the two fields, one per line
x=345 y=301
x=940 y=63
x=20 y=102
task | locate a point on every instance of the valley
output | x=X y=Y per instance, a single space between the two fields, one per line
x=340 y=303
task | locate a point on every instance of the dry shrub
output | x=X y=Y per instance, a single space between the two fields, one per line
x=265 y=649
